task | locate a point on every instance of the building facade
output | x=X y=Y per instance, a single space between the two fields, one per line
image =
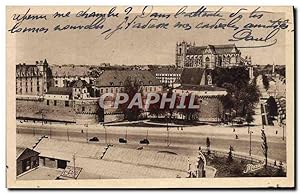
x=27 y=159
x=210 y=56
x=32 y=80
x=167 y=75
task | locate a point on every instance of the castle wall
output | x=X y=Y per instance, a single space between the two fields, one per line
x=211 y=109
x=57 y=110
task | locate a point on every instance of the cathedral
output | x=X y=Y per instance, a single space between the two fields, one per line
x=209 y=57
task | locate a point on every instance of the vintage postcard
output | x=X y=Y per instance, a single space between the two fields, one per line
x=150 y=97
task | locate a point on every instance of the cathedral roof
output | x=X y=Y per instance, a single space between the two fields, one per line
x=196 y=50
x=215 y=49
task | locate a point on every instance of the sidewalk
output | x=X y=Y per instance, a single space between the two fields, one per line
x=202 y=129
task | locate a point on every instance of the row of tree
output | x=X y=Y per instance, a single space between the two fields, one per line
x=242 y=94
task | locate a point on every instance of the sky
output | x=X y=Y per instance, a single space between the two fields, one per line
x=133 y=46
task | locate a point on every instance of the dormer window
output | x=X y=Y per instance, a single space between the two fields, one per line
x=111 y=83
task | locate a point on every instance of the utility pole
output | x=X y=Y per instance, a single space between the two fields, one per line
x=250 y=146
x=282 y=131
x=147 y=134
x=74 y=166
x=87 y=135
x=105 y=134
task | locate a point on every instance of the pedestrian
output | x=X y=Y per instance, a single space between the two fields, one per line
x=81 y=131
x=275 y=163
x=276 y=132
x=233 y=130
x=236 y=137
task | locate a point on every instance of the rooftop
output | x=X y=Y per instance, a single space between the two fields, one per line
x=79 y=84
x=172 y=70
x=192 y=76
x=26 y=141
x=41 y=173
x=215 y=49
x=117 y=77
x=60 y=90
x=99 y=169
x=200 y=87
x=70 y=70
x=62 y=149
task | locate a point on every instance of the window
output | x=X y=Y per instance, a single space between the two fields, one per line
x=48 y=102
x=38 y=89
x=56 y=82
x=54 y=102
x=83 y=109
x=101 y=91
x=67 y=103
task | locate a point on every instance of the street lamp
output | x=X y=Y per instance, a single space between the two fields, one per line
x=250 y=144
x=168 y=131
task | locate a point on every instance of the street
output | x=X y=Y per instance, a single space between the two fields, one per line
x=185 y=141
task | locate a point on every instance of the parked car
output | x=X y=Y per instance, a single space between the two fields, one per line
x=122 y=140
x=94 y=139
x=145 y=141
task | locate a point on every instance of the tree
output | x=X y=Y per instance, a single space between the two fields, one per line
x=265 y=82
x=131 y=88
x=272 y=107
x=230 y=158
x=170 y=110
x=191 y=114
x=241 y=94
x=208 y=145
x=154 y=108
x=264 y=147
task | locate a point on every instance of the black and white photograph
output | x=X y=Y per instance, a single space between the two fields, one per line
x=150 y=96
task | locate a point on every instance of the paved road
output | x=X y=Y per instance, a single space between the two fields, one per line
x=185 y=142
